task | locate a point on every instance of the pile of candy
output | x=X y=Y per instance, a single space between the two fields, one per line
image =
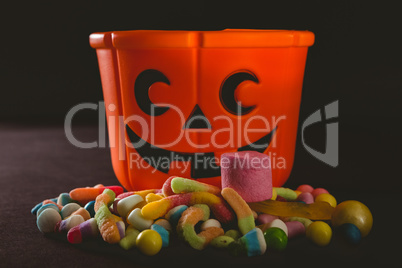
x=147 y=219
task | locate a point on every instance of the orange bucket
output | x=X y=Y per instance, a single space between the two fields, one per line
x=176 y=100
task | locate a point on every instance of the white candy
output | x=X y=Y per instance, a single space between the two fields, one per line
x=279 y=224
x=68 y=209
x=47 y=220
x=125 y=205
x=210 y=223
x=73 y=221
x=136 y=219
x=165 y=224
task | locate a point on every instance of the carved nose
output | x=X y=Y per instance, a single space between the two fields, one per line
x=197 y=119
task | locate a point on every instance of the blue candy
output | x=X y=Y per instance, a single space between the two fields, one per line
x=50 y=205
x=173 y=216
x=351 y=233
x=90 y=206
x=163 y=233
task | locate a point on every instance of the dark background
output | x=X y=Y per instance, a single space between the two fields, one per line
x=47 y=67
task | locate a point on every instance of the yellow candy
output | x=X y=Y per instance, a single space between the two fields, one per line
x=353 y=212
x=326 y=198
x=149 y=242
x=151 y=197
x=320 y=233
x=274 y=194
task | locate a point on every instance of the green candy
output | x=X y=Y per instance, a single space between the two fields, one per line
x=222 y=241
x=276 y=238
x=235 y=234
x=286 y=193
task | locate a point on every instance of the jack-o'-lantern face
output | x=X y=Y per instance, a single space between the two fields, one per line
x=184 y=106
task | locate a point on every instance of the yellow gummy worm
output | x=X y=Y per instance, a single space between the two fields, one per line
x=314 y=211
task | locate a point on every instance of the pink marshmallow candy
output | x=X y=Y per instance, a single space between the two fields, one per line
x=248 y=173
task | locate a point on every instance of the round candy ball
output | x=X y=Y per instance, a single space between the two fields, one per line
x=149 y=242
x=276 y=238
x=305 y=188
x=326 y=198
x=354 y=212
x=351 y=233
x=318 y=191
x=320 y=233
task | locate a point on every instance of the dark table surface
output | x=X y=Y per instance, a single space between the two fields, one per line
x=38 y=162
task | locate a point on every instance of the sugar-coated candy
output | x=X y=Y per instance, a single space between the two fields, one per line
x=149 y=242
x=151 y=197
x=248 y=173
x=235 y=234
x=265 y=218
x=90 y=207
x=320 y=233
x=173 y=215
x=318 y=191
x=222 y=241
x=164 y=223
x=142 y=193
x=254 y=242
x=314 y=211
x=70 y=222
x=276 y=238
x=295 y=229
x=125 y=205
x=350 y=233
x=326 y=198
x=186 y=227
x=218 y=206
x=286 y=193
x=47 y=220
x=68 y=209
x=182 y=185
x=105 y=198
x=85 y=230
x=84 y=195
x=167 y=188
x=136 y=219
x=305 y=188
x=354 y=212
x=163 y=233
x=46 y=206
x=107 y=225
x=129 y=240
x=245 y=218
x=210 y=223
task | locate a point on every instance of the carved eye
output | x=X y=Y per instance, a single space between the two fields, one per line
x=227 y=92
x=141 y=87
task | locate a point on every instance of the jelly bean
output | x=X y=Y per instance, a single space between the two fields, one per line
x=222 y=241
x=275 y=223
x=47 y=220
x=350 y=233
x=163 y=233
x=210 y=223
x=46 y=206
x=326 y=198
x=90 y=207
x=130 y=239
x=307 y=198
x=235 y=234
x=136 y=219
x=68 y=209
x=149 y=242
x=319 y=191
x=125 y=205
x=165 y=224
x=353 y=212
x=306 y=222
x=276 y=238
x=295 y=228
x=320 y=233
x=314 y=211
x=305 y=188
x=265 y=218
x=245 y=218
